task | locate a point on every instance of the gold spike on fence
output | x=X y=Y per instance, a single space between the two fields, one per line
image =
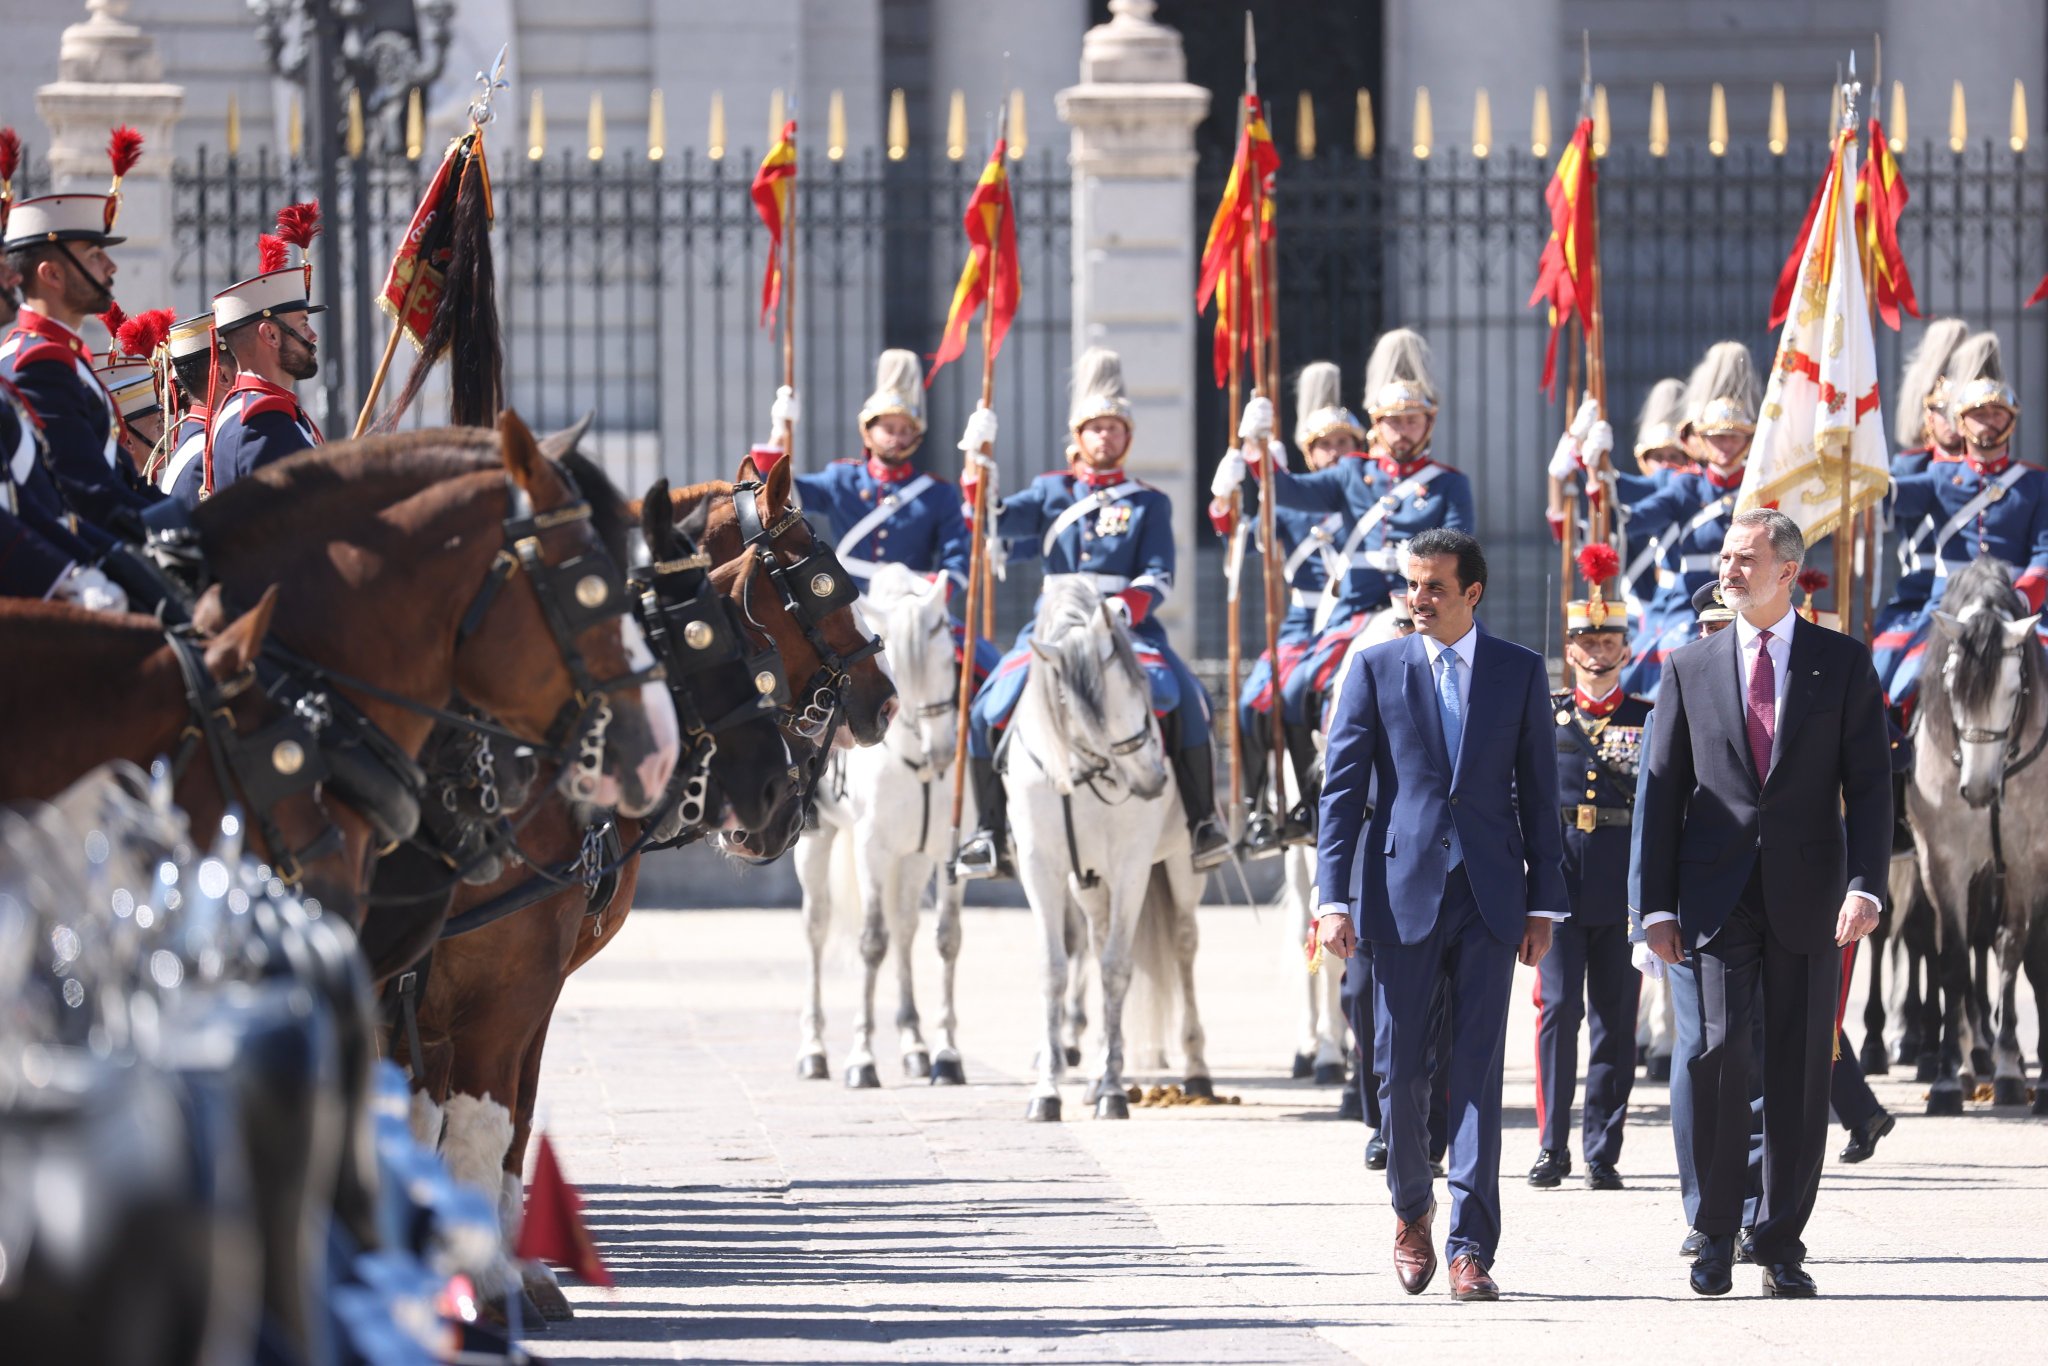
x=956 y=126
x=1482 y=124
x=899 y=127
x=1778 y=139
x=234 y=138
x=536 y=129
x=1896 y=134
x=1717 y=121
x=1958 y=120
x=1660 y=121
x=1603 y=131
x=657 y=126
x=1305 y=126
x=1425 y=126
x=715 y=143
x=415 y=124
x=1019 y=138
x=1365 y=138
x=778 y=114
x=835 y=126
x=2016 y=138
x=1539 y=125
x=593 y=132
x=353 y=144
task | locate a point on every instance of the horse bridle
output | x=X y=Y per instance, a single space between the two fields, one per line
x=1980 y=735
x=812 y=589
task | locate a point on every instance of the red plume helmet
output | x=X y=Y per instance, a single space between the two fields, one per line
x=1812 y=581
x=272 y=253
x=124 y=149
x=114 y=319
x=1599 y=563
x=142 y=334
x=10 y=162
x=299 y=224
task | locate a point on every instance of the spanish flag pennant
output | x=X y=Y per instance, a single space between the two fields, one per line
x=772 y=184
x=1564 y=273
x=990 y=274
x=1880 y=201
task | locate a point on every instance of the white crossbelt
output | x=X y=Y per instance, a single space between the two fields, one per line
x=1382 y=559
x=1320 y=540
x=190 y=449
x=885 y=508
x=1083 y=507
x=1968 y=513
x=1690 y=564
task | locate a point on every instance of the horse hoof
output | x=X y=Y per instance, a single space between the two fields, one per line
x=1926 y=1069
x=1304 y=1066
x=812 y=1067
x=2008 y=1091
x=1073 y=1055
x=863 y=1077
x=948 y=1072
x=1875 y=1063
x=1981 y=1063
x=1198 y=1088
x=1945 y=1101
x=917 y=1064
x=1112 y=1105
x=1328 y=1074
x=1043 y=1109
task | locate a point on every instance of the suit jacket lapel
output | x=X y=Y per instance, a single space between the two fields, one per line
x=1486 y=663
x=1422 y=703
x=1800 y=688
x=1724 y=673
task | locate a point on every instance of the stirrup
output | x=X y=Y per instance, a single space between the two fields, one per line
x=1261 y=838
x=981 y=857
x=1300 y=825
x=1210 y=846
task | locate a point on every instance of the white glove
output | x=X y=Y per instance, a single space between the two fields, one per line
x=86 y=587
x=1564 y=461
x=1598 y=441
x=1256 y=423
x=1583 y=420
x=1647 y=962
x=785 y=409
x=1230 y=472
x=980 y=431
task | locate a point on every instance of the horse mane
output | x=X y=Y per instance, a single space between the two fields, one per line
x=610 y=516
x=1976 y=643
x=897 y=590
x=1067 y=612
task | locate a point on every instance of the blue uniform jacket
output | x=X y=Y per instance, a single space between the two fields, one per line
x=1598 y=772
x=923 y=532
x=184 y=473
x=1125 y=542
x=258 y=424
x=1309 y=543
x=1676 y=510
x=2013 y=525
x=1499 y=796
x=1356 y=487
x=31 y=495
x=51 y=367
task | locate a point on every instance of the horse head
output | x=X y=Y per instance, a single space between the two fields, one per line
x=1087 y=709
x=909 y=611
x=1989 y=676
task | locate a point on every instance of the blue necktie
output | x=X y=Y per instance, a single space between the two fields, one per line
x=1454 y=728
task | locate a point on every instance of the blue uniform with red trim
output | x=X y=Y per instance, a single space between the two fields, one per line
x=1946 y=516
x=1384 y=504
x=896 y=514
x=185 y=471
x=1308 y=553
x=1122 y=537
x=258 y=424
x=30 y=560
x=51 y=367
x=1687 y=515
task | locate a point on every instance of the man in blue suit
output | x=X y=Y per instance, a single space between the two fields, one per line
x=1456 y=875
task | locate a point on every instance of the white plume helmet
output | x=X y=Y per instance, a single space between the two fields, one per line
x=1924 y=382
x=1401 y=375
x=1976 y=377
x=1663 y=411
x=1722 y=395
x=1098 y=389
x=1319 y=409
x=899 y=389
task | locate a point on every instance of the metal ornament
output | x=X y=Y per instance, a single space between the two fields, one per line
x=822 y=585
x=698 y=635
x=287 y=757
x=591 y=590
x=764 y=682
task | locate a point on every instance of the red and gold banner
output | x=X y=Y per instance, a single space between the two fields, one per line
x=991 y=224
x=1564 y=274
x=771 y=200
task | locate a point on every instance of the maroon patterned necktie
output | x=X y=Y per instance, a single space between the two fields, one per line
x=1763 y=705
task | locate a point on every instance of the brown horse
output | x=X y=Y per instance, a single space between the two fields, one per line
x=413 y=567
x=490 y=995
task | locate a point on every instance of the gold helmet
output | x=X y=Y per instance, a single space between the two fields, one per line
x=1924 y=382
x=1721 y=396
x=1398 y=377
x=1319 y=409
x=1976 y=375
x=899 y=389
x=1658 y=424
x=1098 y=390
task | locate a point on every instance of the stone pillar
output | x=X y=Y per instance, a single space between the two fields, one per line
x=1134 y=233
x=109 y=74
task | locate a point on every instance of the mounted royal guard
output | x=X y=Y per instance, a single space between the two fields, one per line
x=1094 y=519
x=1589 y=971
x=57 y=244
x=882 y=507
x=1954 y=511
x=265 y=323
x=1326 y=432
x=196 y=361
x=133 y=376
x=40 y=559
x=1925 y=433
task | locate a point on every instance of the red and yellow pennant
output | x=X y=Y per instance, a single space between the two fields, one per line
x=991 y=223
x=771 y=200
x=1880 y=202
x=1564 y=273
x=1225 y=262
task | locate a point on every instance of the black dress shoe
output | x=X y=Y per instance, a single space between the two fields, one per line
x=1863 y=1138
x=1695 y=1243
x=1713 y=1271
x=1553 y=1165
x=1745 y=1245
x=1376 y=1154
x=1601 y=1177
x=1788 y=1281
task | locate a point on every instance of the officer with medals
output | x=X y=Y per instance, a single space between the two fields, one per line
x=265 y=323
x=1952 y=512
x=57 y=245
x=1588 y=971
x=197 y=362
x=1687 y=514
x=883 y=509
x=1327 y=433
x=40 y=558
x=1387 y=500
x=1092 y=518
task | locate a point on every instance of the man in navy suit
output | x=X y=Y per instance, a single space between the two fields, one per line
x=1766 y=821
x=1458 y=873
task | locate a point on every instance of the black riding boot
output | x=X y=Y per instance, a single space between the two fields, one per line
x=987 y=852
x=1194 y=768
x=1261 y=833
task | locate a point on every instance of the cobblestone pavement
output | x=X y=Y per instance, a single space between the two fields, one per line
x=750 y=1216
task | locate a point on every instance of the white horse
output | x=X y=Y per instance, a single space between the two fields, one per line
x=1099 y=832
x=884 y=822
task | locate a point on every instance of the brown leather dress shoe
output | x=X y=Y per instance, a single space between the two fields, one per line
x=1414 y=1253
x=1469 y=1280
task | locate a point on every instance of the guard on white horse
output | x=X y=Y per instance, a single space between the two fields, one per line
x=1093 y=522
x=882 y=836
x=1098 y=846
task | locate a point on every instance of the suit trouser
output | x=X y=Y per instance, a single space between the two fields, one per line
x=1684 y=985
x=1798 y=1011
x=1849 y=1094
x=1358 y=1010
x=1587 y=971
x=1462 y=968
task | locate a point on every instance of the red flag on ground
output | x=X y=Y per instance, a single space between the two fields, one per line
x=771 y=200
x=553 y=1229
x=1880 y=200
x=991 y=223
x=1564 y=273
